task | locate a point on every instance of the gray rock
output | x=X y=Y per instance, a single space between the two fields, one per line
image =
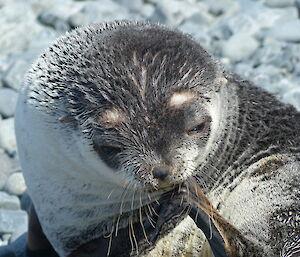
x=9 y=202
x=7 y=135
x=286 y=31
x=240 y=47
x=243 y=23
x=133 y=5
x=18 y=25
x=93 y=12
x=279 y=3
x=175 y=12
x=13 y=222
x=15 y=75
x=297 y=69
x=46 y=17
x=5 y=168
x=226 y=8
x=15 y=184
x=293 y=97
x=8 y=101
x=220 y=31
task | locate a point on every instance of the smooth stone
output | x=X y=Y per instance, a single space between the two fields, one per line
x=297 y=69
x=243 y=23
x=9 y=202
x=240 y=47
x=13 y=222
x=15 y=75
x=174 y=12
x=93 y=12
x=293 y=97
x=18 y=26
x=133 y=5
x=15 y=184
x=8 y=101
x=7 y=135
x=286 y=31
x=279 y=3
x=5 y=167
x=226 y=8
x=220 y=31
x=46 y=17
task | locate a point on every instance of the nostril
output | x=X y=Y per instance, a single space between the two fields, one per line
x=160 y=172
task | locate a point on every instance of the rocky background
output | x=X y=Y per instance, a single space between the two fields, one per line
x=259 y=39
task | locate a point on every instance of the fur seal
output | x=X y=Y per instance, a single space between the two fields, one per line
x=113 y=117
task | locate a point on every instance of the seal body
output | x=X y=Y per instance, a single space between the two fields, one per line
x=113 y=116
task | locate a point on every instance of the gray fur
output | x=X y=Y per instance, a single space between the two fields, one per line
x=254 y=148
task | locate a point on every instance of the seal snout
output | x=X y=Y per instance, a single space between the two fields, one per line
x=160 y=172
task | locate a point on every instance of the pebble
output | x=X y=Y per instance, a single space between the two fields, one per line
x=243 y=23
x=240 y=47
x=5 y=167
x=15 y=75
x=15 y=184
x=288 y=31
x=293 y=97
x=9 y=202
x=7 y=135
x=13 y=222
x=279 y=3
x=92 y=12
x=8 y=101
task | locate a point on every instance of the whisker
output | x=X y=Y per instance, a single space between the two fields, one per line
x=141 y=219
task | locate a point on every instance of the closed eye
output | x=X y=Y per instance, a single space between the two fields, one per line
x=197 y=129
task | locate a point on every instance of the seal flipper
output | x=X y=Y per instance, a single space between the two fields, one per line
x=211 y=233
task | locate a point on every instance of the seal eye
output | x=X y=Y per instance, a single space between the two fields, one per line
x=110 y=150
x=197 y=129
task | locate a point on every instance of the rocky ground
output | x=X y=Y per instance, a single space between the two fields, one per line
x=258 y=39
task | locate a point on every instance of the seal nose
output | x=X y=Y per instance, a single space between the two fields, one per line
x=160 y=172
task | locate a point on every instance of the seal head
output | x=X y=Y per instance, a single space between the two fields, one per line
x=110 y=117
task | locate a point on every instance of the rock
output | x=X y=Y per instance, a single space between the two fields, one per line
x=220 y=32
x=240 y=47
x=293 y=97
x=5 y=168
x=9 y=202
x=243 y=23
x=15 y=75
x=133 y=5
x=175 y=12
x=7 y=135
x=48 y=18
x=93 y=12
x=8 y=101
x=13 y=222
x=279 y=3
x=15 y=184
x=18 y=25
x=226 y=8
x=286 y=31
x=38 y=44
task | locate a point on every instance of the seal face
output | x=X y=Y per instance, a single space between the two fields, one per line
x=113 y=116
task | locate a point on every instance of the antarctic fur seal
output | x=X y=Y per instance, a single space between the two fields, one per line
x=113 y=117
